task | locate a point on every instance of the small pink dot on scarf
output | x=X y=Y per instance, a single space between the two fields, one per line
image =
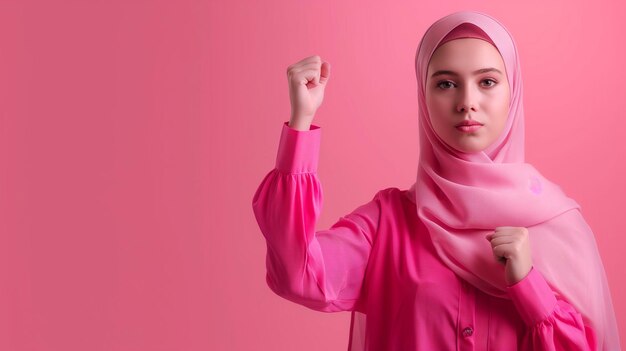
x=535 y=185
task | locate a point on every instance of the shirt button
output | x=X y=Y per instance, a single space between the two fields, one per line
x=468 y=331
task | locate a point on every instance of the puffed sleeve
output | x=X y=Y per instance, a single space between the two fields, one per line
x=323 y=270
x=553 y=324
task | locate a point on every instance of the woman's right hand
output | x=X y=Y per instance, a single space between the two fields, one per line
x=307 y=80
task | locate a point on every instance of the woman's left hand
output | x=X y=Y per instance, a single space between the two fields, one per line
x=511 y=247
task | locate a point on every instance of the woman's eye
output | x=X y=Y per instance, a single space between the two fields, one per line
x=444 y=82
x=490 y=80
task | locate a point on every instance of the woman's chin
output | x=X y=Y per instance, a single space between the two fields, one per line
x=469 y=148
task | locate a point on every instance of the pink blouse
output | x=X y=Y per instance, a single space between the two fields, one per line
x=378 y=260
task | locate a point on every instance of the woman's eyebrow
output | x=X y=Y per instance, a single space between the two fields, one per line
x=452 y=73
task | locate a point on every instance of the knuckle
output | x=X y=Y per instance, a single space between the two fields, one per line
x=524 y=233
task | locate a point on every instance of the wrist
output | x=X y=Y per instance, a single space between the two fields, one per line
x=299 y=124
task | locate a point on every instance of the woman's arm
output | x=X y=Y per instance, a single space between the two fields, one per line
x=322 y=270
x=553 y=324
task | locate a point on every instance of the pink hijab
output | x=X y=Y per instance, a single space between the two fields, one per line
x=461 y=197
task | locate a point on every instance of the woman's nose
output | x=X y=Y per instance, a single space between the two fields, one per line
x=467 y=100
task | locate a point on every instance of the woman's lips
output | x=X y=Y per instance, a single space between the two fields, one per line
x=469 y=129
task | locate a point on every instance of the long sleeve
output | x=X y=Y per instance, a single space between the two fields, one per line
x=553 y=324
x=323 y=270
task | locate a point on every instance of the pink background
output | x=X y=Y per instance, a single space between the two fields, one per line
x=133 y=135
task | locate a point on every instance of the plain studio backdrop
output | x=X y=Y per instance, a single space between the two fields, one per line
x=133 y=135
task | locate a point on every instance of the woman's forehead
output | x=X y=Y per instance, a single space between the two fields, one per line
x=466 y=55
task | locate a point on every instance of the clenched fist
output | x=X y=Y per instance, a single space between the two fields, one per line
x=511 y=247
x=307 y=80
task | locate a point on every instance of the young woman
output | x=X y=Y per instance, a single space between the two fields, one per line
x=481 y=253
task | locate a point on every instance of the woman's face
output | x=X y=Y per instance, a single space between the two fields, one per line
x=456 y=92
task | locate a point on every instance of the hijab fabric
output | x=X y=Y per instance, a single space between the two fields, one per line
x=461 y=197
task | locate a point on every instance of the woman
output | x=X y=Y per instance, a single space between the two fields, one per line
x=481 y=253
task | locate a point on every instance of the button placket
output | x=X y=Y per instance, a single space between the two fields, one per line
x=466 y=322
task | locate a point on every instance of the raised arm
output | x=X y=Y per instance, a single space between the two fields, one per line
x=324 y=269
